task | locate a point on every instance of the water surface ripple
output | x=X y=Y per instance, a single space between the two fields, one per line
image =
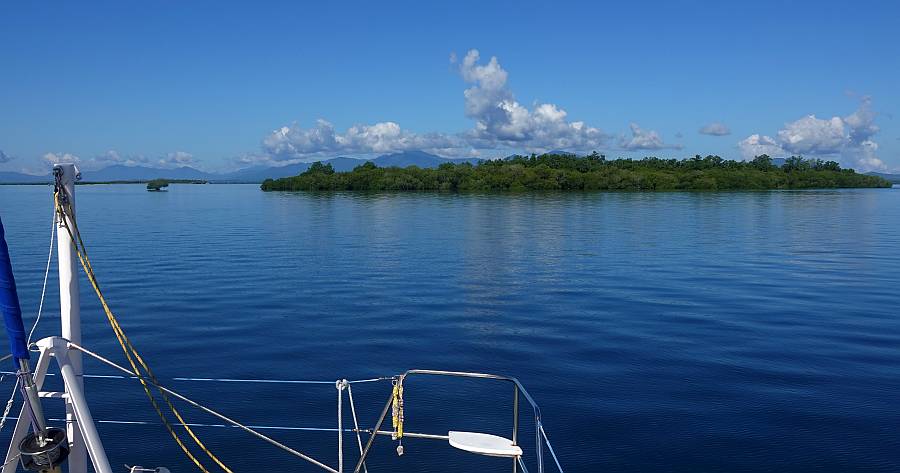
x=723 y=332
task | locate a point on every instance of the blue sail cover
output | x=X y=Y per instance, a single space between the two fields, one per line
x=9 y=304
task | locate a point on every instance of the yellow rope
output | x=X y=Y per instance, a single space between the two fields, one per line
x=131 y=352
x=397 y=410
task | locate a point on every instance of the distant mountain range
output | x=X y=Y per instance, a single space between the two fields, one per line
x=257 y=174
x=895 y=178
x=20 y=178
x=253 y=174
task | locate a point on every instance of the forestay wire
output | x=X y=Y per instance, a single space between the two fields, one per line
x=140 y=369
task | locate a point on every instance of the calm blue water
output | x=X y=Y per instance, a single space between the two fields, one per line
x=659 y=332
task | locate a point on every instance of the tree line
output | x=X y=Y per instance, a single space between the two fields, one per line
x=565 y=172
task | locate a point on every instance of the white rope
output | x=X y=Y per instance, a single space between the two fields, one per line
x=284 y=381
x=211 y=412
x=356 y=424
x=9 y=404
x=197 y=424
x=221 y=380
x=12 y=395
x=46 y=274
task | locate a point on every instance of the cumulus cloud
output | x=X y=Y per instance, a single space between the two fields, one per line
x=756 y=145
x=113 y=157
x=715 y=129
x=644 y=140
x=107 y=158
x=500 y=123
x=255 y=159
x=293 y=142
x=849 y=138
x=811 y=135
x=50 y=159
x=177 y=159
x=4 y=158
x=862 y=128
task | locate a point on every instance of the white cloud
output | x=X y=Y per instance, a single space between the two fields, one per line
x=295 y=142
x=756 y=145
x=860 y=147
x=4 y=158
x=113 y=157
x=644 y=140
x=849 y=138
x=50 y=159
x=177 y=159
x=500 y=123
x=715 y=129
x=811 y=135
x=255 y=159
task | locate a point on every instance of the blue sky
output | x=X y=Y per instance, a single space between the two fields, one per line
x=220 y=86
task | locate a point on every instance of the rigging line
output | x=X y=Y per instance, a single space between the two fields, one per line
x=550 y=447
x=340 y=424
x=127 y=347
x=46 y=274
x=217 y=380
x=223 y=417
x=37 y=319
x=14 y=458
x=132 y=354
x=130 y=351
x=218 y=426
x=9 y=404
x=283 y=381
x=103 y=376
x=356 y=424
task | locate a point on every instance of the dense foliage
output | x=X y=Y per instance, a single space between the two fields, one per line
x=561 y=172
x=157 y=184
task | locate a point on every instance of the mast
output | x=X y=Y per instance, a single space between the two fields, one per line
x=70 y=311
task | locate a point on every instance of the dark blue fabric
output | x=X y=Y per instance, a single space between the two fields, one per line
x=9 y=304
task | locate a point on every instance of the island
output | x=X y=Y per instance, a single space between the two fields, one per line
x=567 y=172
x=157 y=185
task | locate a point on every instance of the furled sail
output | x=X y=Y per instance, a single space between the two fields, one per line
x=9 y=304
